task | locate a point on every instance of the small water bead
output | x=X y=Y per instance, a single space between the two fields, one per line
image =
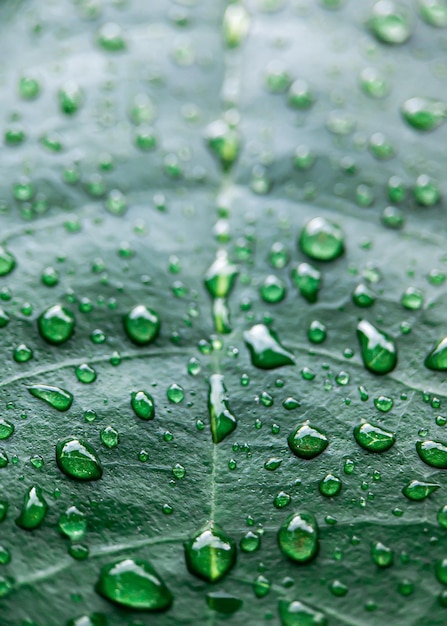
x=307 y=442
x=298 y=537
x=321 y=240
x=433 y=453
x=265 y=349
x=423 y=113
x=78 y=459
x=436 y=277
x=380 y=147
x=23 y=190
x=37 y=461
x=412 y=299
x=277 y=78
x=433 y=12
x=178 y=471
x=49 y=277
x=29 y=88
x=307 y=373
x=273 y=289
x=145 y=139
x=14 y=135
x=281 y=500
x=224 y=142
x=175 y=393
x=116 y=202
x=272 y=464
x=236 y=24
x=338 y=589
x=73 y=523
x=379 y=352
x=383 y=403
x=7 y=261
x=70 y=98
x=143 y=404
x=390 y=22
x=308 y=281
x=97 y=336
x=373 y=83
x=363 y=296
x=298 y=613
x=6 y=429
x=261 y=586
x=110 y=37
x=381 y=555
x=291 y=403
x=266 y=399
x=392 y=217
x=364 y=195
x=342 y=378
x=250 y=542
x=426 y=191
x=22 y=353
x=142 y=325
x=340 y=122
x=396 y=189
x=279 y=255
x=330 y=486
x=317 y=332
x=210 y=554
x=143 y=456
x=85 y=373
x=56 y=324
x=221 y=276
x=134 y=584
x=110 y=437
x=373 y=438
x=418 y=490
x=34 y=509
x=115 y=359
x=441 y=571
x=300 y=95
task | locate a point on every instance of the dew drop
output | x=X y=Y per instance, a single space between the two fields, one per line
x=56 y=324
x=222 y=421
x=307 y=442
x=73 y=523
x=437 y=358
x=224 y=142
x=308 y=280
x=381 y=555
x=330 y=486
x=373 y=438
x=298 y=537
x=322 y=240
x=236 y=24
x=419 y=490
x=142 y=325
x=379 y=352
x=34 y=509
x=424 y=114
x=175 y=393
x=265 y=349
x=78 y=459
x=210 y=553
x=143 y=405
x=433 y=453
x=298 y=613
x=390 y=22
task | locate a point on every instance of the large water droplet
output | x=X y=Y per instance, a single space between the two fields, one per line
x=437 y=359
x=390 y=22
x=78 y=459
x=210 y=554
x=222 y=421
x=142 y=324
x=434 y=12
x=419 y=490
x=308 y=281
x=297 y=613
x=379 y=352
x=56 y=324
x=298 y=537
x=266 y=351
x=433 y=453
x=236 y=23
x=373 y=438
x=424 y=113
x=307 y=442
x=224 y=142
x=34 y=509
x=322 y=240
x=330 y=486
x=56 y=397
x=143 y=405
x=73 y=523
x=134 y=584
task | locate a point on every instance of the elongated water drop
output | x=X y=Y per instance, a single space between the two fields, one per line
x=34 y=509
x=73 y=523
x=236 y=23
x=222 y=421
x=373 y=438
x=7 y=261
x=307 y=442
x=134 y=584
x=224 y=142
x=298 y=537
x=142 y=324
x=297 y=613
x=307 y=279
x=434 y=12
x=78 y=459
x=56 y=324
x=143 y=405
x=56 y=397
x=379 y=352
x=390 y=22
x=419 y=490
x=322 y=240
x=424 y=113
x=433 y=453
x=210 y=553
x=219 y=281
x=6 y=429
x=70 y=98
x=265 y=349
x=437 y=359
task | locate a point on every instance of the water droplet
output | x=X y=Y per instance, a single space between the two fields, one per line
x=6 y=429
x=265 y=349
x=279 y=255
x=298 y=537
x=210 y=554
x=338 y=589
x=281 y=500
x=390 y=22
x=34 y=509
x=7 y=261
x=110 y=437
x=110 y=37
x=412 y=299
x=383 y=404
x=143 y=405
x=223 y=602
x=179 y=471
x=85 y=373
x=322 y=240
x=317 y=332
x=424 y=113
x=73 y=523
x=78 y=459
x=70 y=98
x=95 y=619
x=222 y=421
x=433 y=453
x=307 y=442
x=382 y=555
x=442 y=516
x=236 y=24
x=273 y=289
x=261 y=586
x=22 y=353
x=116 y=202
x=379 y=352
x=373 y=438
x=434 y=12
x=307 y=279
x=299 y=614
x=56 y=324
x=175 y=393
x=134 y=584
x=373 y=83
x=300 y=95
x=419 y=490
x=224 y=142
x=330 y=486
x=142 y=325
x=29 y=87
x=250 y=542
x=426 y=191
x=437 y=359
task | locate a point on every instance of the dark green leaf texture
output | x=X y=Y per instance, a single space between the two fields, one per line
x=182 y=207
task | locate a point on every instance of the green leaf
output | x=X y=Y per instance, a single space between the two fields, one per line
x=220 y=222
